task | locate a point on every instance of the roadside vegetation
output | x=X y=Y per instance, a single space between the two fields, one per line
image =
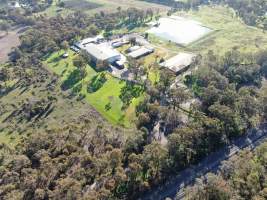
x=242 y=177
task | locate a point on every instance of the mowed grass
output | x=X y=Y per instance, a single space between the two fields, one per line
x=108 y=94
x=229 y=31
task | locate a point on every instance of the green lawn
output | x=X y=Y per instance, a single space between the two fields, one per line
x=107 y=94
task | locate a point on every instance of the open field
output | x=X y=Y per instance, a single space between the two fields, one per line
x=179 y=30
x=81 y=5
x=7 y=41
x=124 y=4
x=108 y=94
x=95 y=6
x=229 y=32
x=65 y=111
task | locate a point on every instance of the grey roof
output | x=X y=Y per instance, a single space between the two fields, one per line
x=101 y=51
x=81 y=44
x=133 y=48
x=179 y=62
x=141 y=52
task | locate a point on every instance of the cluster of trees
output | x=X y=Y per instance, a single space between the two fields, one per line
x=80 y=163
x=96 y=162
x=227 y=105
x=34 y=6
x=129 y=92
x=242 y=177
x=96 y=83
x=253 y=12
x=78 y=74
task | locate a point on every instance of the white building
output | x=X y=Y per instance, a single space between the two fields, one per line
x=101 y=53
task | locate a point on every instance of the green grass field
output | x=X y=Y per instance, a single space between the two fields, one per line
x=108 y=94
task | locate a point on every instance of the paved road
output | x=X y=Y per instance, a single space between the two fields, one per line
x=209 y=164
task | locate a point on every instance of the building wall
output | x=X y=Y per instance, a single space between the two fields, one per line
x=114 y=58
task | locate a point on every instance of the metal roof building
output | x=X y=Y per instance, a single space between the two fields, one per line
x=142 y=51
x=87 y=41
x=102 y=52
x=179 y=63
x=133 y=48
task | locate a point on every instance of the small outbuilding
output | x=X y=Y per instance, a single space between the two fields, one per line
x=65 y=55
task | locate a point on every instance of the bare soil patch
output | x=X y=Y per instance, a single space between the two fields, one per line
x=7 y=42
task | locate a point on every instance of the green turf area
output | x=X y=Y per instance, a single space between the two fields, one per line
x=107 y=95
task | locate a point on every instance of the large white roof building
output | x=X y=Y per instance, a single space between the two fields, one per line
x=102 y=53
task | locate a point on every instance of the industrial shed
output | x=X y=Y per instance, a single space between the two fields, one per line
x=179 y=63
x=142 y=51
x=102 y=53
x=87 y=41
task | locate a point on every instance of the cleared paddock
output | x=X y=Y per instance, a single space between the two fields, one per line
x=179 y=30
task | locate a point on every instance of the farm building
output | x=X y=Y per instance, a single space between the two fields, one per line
x=87 y=41
x=179 y=63
x=142 y=51
x=133 y=48
x=14 y=4
x=119 y=43
x=102 y=53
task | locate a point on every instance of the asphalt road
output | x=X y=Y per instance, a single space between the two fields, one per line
x=209 y=164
